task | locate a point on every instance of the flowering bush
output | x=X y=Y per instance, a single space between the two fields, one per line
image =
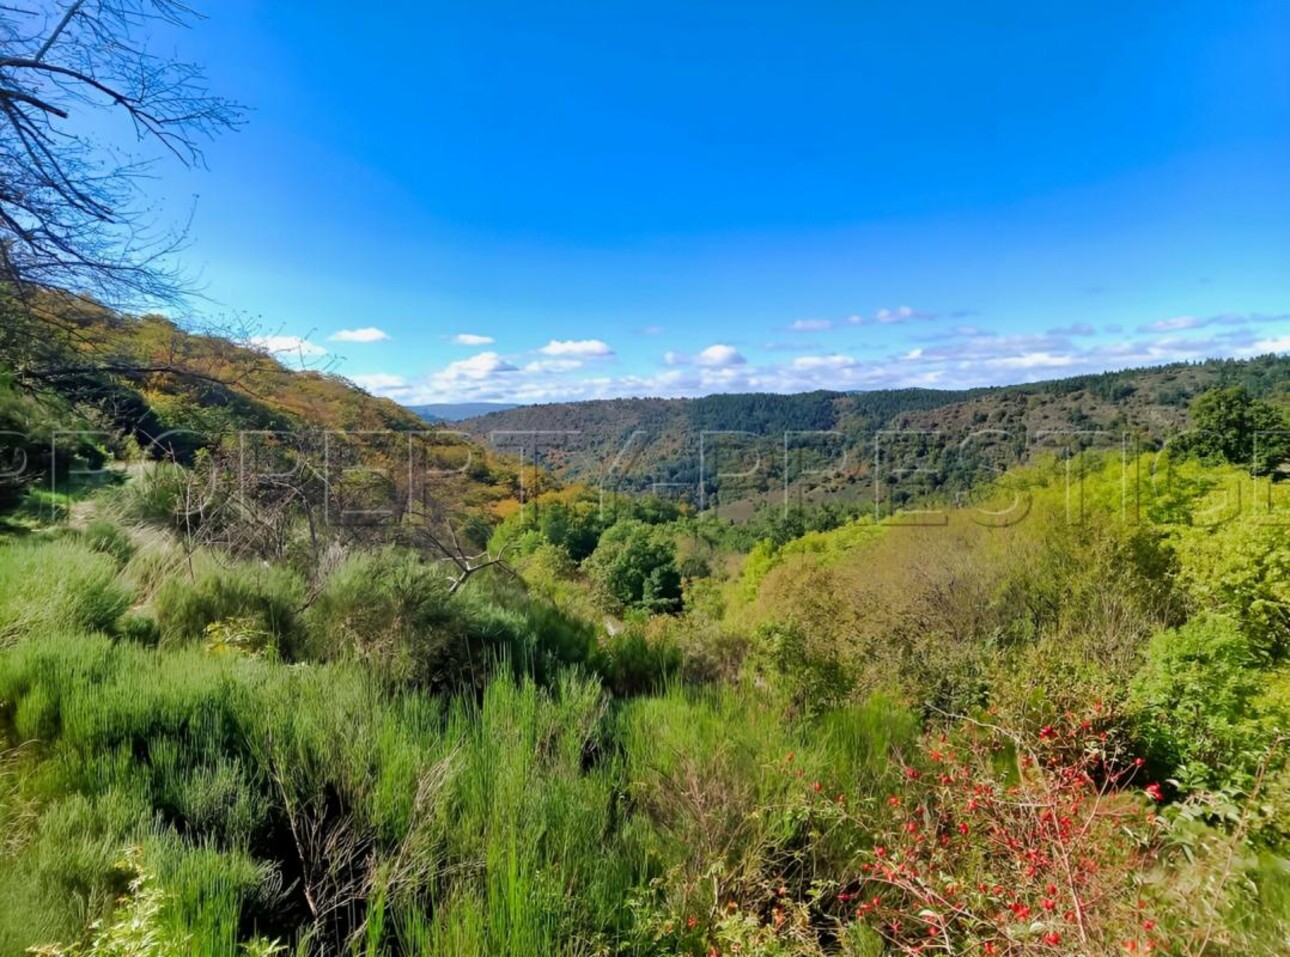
x=1002 y=845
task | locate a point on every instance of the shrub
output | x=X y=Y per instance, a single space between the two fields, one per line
x=394 y=610
x=1241 y=567
x=1198 y=703
x=999 y=844
x=165 y=496
x=810 y=670
x=631 y=663
x=271 y=596
x=103 y=536
x=139 y=628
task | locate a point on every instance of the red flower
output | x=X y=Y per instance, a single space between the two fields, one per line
x=1154 y=792
x=964 y=828
x=1053 y=938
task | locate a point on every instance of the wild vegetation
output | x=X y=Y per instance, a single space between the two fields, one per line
x=1049 y=719
x=284 y=670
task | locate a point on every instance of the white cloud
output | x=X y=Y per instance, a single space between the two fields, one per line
x=366 y=334
x=811 y=325
x=478 y=367
x=1075 y=329
x=553 y=365
x=1179 y=323
x=956 y=358
x=1032 y=360
x=1277 y=344
x=652 y=331
x=718 y=356
x=380 y=382
x=835 y=361
x=900 y=314
x=585 y=348
x=470 y=339
x=1174 y=324
x=287 y=345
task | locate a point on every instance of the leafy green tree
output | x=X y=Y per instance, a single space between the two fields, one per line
x=1232 y=425
x=635 y=564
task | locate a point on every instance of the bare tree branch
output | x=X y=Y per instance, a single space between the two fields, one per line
x=71 y=212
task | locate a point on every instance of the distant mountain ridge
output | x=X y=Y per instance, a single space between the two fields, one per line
x=679 y=444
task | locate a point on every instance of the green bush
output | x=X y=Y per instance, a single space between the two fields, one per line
x=57 y=585
x=139 y=628
x=268 y=594
x=394 y=610
x=1197 y=703
x=631 y=663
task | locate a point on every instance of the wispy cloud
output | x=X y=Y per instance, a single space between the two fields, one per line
x=584 y=348
x=471 y=339
x=1075 y=329
x=366 y=334
x=811 y=325
x=380 y=382
x=835 y=361
x=1179 y=323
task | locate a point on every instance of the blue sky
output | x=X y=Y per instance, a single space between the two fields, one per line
x=538 y=201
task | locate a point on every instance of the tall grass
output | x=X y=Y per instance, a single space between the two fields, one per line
x=522 y=821
x=56 y=585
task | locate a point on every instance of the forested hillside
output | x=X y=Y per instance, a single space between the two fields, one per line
x=828 y=441
x=81 y=383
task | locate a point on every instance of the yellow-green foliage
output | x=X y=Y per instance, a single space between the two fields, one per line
x=1236 y=560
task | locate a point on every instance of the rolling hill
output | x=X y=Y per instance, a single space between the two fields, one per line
x=742 y=448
